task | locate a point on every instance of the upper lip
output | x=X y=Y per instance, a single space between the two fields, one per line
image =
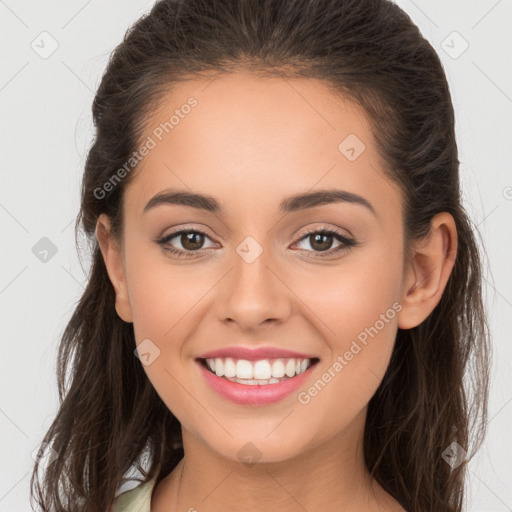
x=254 y=354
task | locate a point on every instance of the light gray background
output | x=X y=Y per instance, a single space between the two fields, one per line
x=46 y=128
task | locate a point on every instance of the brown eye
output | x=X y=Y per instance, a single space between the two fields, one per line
x=321 y=241
x=191 y=241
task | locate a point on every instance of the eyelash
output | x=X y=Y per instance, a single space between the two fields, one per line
x=347 y=243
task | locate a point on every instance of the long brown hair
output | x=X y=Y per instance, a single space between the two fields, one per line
x=435 y=390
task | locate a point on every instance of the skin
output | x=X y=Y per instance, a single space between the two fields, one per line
x=250 y=143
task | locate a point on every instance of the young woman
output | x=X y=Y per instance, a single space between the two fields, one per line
x=284 y=308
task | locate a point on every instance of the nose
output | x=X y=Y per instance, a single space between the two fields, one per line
x=254 y=294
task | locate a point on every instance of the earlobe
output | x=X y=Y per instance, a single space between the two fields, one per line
x=112 y=257
x=430 y=264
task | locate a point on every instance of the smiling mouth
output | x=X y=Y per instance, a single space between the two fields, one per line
x=260 y=372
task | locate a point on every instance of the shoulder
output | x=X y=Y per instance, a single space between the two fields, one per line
x=137 y=499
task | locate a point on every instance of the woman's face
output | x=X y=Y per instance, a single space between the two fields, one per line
x=256 y=279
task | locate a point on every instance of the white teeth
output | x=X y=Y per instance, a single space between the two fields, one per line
x=219 y=367
x=229 y=367
x=277 y=369
x=290 y=367
x=263 y=371
x=254 y=382
x=243 y=369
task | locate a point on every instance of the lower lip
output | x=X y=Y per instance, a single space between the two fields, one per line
x=246 y=394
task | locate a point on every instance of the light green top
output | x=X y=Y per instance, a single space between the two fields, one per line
x=137 y=499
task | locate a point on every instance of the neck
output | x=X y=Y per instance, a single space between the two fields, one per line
x=331 y=476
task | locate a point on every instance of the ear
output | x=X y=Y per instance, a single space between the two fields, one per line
x=112 y=256
x=428 y=268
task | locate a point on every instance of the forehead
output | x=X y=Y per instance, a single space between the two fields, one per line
x=254 y=140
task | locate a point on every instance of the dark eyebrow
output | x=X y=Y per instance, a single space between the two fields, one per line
x=291 y=204
x=312 y=199
x=184 y=198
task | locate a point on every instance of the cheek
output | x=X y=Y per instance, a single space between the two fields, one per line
x=163 y=294
x=164 y=299
x=360 y=349
x=356 y=307
x=352 y=296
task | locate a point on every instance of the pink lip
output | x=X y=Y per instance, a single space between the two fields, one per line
x=254 y=354
x=254 y=395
